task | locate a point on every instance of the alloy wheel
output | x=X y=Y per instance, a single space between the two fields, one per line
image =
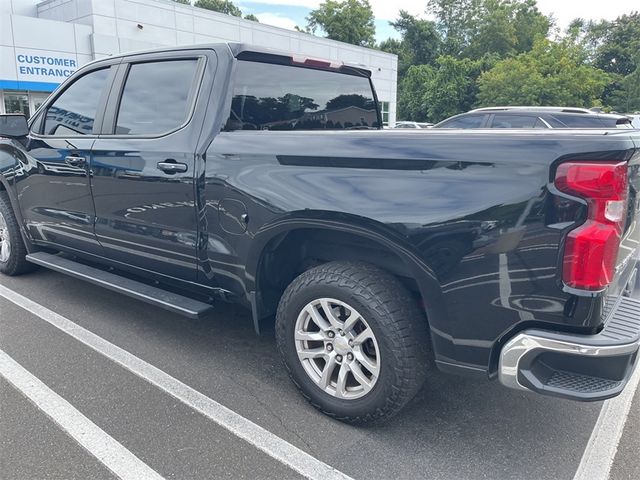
x=337 y=348
x=5 y=242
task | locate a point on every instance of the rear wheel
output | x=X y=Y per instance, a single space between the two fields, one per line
x=12 y=249
x=353 y=340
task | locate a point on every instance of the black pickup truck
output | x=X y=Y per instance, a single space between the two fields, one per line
x=235 y=173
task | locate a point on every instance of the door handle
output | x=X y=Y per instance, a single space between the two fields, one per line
x=172 y=167
x=75 y=161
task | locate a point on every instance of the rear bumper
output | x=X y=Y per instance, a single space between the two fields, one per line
x=578 y=367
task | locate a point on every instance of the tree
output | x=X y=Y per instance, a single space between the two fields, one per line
x=412 y=103
x=620 y=44
x=504 y=28
x=493 y=31
x=252 y=17
x=349 y=21
x=530 y=25
x=183 y=2
x=421 y=42
x=222 y=6
x=613 y=47
x=498 y=28
x=550 y=74
x=435 y=92
x=455 y=21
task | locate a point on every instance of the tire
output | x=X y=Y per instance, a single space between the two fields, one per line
x=12 y=248
x=383 y=372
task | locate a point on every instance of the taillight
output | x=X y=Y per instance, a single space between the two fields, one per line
x=591 y=249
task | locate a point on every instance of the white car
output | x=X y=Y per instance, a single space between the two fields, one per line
x=635 y=120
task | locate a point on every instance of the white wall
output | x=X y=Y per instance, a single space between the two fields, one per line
x=96 y=28
x=115 y=30
x=34 y=36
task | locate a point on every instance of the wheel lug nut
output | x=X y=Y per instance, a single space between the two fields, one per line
x=351 y=343
x=341 y=332
x=338 y=358
x=350 y=356
x=331 y=334
x=329 y=347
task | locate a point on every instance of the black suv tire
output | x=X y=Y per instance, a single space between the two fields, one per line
x=16 y=262
x=402 y=345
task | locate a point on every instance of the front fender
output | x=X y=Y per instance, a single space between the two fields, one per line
x=12 y=159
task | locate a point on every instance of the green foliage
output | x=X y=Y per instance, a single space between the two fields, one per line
x=455 y=21
x=420 y=44
x=619 y=45
x=222 y=6
x=183 y=2
x=496 y=52
x=435 y=92
x=552 y=73
x=505 y=28
x=349 y=21
x=411 y=95
x=613 y=46
x=252 y=17
x=475 y=28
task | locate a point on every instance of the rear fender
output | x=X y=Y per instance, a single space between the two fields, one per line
x=387 y=239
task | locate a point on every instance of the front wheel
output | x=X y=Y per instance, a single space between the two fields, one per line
x=353 y=340
x=12 y=249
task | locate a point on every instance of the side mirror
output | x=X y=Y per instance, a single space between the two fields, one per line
x=13 y=125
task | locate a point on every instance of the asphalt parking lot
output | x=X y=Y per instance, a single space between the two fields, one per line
x=455 y=428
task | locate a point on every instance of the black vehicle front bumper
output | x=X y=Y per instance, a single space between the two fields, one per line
x=578 y=367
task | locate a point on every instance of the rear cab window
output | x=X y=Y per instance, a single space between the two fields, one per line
x=283 y=97
x=157 y=97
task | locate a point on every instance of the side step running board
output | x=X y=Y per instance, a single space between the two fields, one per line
x=149 y=294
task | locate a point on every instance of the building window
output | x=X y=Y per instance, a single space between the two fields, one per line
x=21 y=102
x=16 y=102
x=384 y=107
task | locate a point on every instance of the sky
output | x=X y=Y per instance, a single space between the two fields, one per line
x=289 y=13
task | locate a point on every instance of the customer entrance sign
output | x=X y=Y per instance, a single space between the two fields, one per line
x=44 y=66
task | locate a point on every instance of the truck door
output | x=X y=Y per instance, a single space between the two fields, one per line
x=54 y=192
x=143 y=165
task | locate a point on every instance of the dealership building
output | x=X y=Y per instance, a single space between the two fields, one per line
x=43 y=42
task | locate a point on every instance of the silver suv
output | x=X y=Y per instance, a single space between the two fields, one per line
x=535 y=117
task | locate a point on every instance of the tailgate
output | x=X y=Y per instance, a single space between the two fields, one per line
x=629 y=252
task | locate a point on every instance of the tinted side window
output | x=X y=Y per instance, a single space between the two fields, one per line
x=282 y=97
x=471 y=121
x=576 y=121
x=74 y=112
x=156 y=97
x=513 y=121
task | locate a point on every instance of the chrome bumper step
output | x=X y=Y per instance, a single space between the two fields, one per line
x=579 y=367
